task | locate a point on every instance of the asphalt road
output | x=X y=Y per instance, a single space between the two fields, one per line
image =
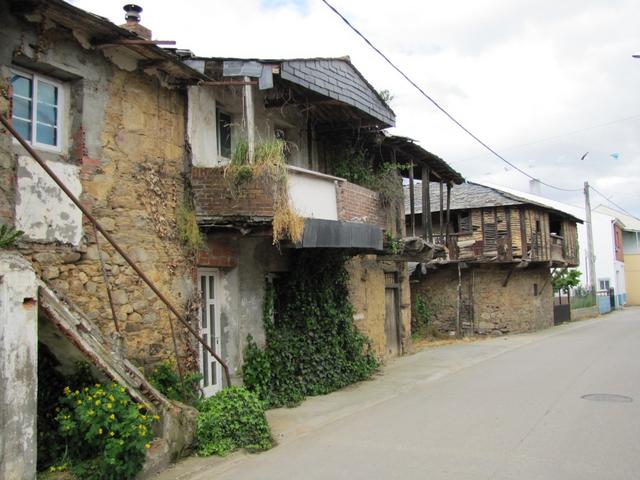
x=516 y=413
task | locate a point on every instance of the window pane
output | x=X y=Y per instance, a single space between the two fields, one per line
x=21 y=108
x=47 y=114
x=45 y=134
x=21 y=86
x=47 y=93
x=214 y=373
x=211 y=287
x=203 y=308
x=23 y=127
x=212 y=325
x=205 y=364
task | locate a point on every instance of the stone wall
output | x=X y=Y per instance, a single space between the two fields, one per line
x=124 y=133
x=495 y=309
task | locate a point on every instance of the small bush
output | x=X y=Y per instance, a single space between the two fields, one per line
x=9 y=236
x=106 y=433
x=166 y=379
x=232 y=419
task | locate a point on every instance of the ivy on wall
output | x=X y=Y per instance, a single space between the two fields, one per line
x=312 y=345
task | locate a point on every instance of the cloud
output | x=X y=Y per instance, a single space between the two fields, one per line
x=512 y=72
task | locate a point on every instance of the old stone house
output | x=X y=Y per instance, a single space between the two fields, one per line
x=494 y=275
x=106 y=110
x=325 y=112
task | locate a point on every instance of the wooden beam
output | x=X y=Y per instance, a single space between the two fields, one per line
x=441 y=236
x=230 y=82
x=412 y=200
x=449 y=211
x=507 y=212
x=426 y=205
x=124 y=42
x=250 y=118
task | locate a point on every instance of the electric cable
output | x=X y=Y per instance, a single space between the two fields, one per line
x=439 y=107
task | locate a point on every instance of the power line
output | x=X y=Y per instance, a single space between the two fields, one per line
x=437 y=105
x=611 y=202
x=567 y=134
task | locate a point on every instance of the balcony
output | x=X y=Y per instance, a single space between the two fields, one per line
x=337 y=213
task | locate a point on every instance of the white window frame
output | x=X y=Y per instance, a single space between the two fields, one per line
x=602 y=281
x=35 y=77
x=215 y=341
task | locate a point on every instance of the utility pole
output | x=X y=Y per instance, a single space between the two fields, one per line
x=591 y=257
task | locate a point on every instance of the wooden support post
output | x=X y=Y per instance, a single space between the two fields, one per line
x=250 y=118
x=425 y=202
x=441 y=235
x=506 y=280
x=426 y=205
x=448 y=211
x=412 y=201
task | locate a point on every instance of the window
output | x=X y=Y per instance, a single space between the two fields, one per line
x=603 y=284
x=37 y=105
x=462 y=222
x=224 y=134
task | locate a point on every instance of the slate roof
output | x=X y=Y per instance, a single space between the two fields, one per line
x=337 y=78
x=471 y=195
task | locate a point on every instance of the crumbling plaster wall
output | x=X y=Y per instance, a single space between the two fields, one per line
x=496 y=309
x=19 y=373
x=205 y=101
x=125 y=136
x=367 y=295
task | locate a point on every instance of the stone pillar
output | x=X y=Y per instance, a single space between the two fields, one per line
x=18 y=367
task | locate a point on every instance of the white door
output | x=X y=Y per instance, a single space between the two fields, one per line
x=210 y=368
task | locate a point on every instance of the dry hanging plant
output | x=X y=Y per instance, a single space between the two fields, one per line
x=269 y=165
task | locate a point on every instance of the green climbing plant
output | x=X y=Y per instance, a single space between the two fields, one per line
x=312 y=347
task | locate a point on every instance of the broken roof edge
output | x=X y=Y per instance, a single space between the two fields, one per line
x=455 y=176
x=96 y=21
x=525 y=199
x=346 y=59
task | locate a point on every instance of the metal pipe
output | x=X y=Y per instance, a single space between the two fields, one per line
x=117 y=247
x=106 y=280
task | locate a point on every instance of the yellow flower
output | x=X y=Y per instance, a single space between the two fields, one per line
x=112 y=417
x=100 y=431
x=111 y=434
x=85 y=389
x=98 y=402
x=122 y=389
x=91 y=413
x=67 y=390
x=147 y=445
x=112 y=398
x=109 y=406
x=79 y=402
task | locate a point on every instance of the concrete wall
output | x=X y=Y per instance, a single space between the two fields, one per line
x=632 y=271
x=495 y=308
x=312 y=196
x=123 y=150
x=19 y=374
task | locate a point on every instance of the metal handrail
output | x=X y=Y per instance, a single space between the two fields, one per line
x=115 y=245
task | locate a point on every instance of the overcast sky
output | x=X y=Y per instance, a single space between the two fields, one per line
x=540 y=81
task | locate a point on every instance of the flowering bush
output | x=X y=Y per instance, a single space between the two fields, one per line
x=106 y=432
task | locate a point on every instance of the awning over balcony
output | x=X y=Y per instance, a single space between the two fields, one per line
x=320 y=233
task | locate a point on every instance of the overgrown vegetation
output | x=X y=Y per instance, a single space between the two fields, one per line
x=9 y=236
x=422 y=326
x=232 y=419
x=269 y=166
x=312 y=347
x=357 y=167
x=166 y=379
x=188 y=231
x=392 y=243
x=95 y=431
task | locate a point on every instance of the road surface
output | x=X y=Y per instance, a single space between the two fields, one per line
x=505 y=408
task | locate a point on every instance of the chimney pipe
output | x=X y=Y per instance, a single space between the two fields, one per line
x=132 y=16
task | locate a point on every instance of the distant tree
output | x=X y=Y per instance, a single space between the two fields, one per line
x=564 y=280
